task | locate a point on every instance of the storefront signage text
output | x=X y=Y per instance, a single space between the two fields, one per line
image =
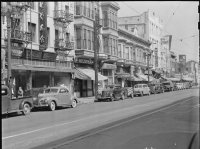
x=84 y=61
x=42 y=15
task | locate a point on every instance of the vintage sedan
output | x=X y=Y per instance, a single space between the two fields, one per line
x=53 y=97
x=113 y=92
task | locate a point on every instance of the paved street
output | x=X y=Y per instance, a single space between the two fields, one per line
x=173 y=127
x=42 y=127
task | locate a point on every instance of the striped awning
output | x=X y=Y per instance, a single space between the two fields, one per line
x=90 y=73
x=80 y=75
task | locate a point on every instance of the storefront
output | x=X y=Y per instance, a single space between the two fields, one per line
x=40 y=71
x=85 y=77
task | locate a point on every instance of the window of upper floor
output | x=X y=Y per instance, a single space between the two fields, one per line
x=32 y=30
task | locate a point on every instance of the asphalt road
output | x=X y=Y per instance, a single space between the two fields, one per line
x=42 y=127
x=172 y=127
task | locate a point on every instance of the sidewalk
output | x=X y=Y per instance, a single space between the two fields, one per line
x=85 y=100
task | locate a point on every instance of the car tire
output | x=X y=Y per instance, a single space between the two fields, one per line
x=74 y=103
x=123 y=96
x=112 y=98
x=132 y=95
x=52 y=106
x=26 y=109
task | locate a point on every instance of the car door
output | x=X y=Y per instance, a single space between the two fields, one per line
x=5 y=100
x=64 y=96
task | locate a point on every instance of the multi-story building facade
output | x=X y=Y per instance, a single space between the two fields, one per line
x=173 y=63
x=192 y=70
x=150 y=27
x=84 y=15
x=108 y=53
x=132 y=61
x=45 y=58
x=165 y=55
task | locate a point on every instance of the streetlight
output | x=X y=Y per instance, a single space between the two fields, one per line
x=11 y=9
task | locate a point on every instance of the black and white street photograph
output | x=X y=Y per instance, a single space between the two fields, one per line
x=100 y=75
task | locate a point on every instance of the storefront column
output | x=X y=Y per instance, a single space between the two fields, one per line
x=29 y=83
x=51 y=79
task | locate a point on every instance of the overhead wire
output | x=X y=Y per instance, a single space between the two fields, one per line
x=131 y=7
x=172 y=15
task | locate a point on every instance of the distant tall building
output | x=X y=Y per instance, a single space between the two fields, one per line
x=182 y=63
x=149 y=26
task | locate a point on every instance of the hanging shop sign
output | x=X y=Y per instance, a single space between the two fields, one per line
x=84 y=61
x=42 y=25
x=16 y=50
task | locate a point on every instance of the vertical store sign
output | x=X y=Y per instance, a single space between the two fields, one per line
x=42 y=25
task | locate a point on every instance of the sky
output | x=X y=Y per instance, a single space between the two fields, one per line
x=180 y=20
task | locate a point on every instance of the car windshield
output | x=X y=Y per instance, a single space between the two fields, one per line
x=138 y=86
x=51 y=90
x=166 y=83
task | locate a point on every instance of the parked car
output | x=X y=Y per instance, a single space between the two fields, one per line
x=168 y=86
x=141 y=89
x=10 y=104
x=179 y=86
x=156 y=88
x=52 y=97
x=113 y=92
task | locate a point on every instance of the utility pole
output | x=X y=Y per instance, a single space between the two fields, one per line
x=96 y=46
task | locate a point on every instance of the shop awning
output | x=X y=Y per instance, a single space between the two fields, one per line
x=145 y=77
x=128 y=77
x=80 y=75
x=48 y=69
x=91 y=73
x=108 y=66
x=187 y=79
x=173 y=79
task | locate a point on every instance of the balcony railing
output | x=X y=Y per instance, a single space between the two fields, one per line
x=63 y=16
x=18 y=36
x=61 y=44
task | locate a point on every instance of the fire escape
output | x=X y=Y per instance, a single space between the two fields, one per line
x=18 y=36
x=62 y=19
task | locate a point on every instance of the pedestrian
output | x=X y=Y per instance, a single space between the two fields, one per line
x=20 y=92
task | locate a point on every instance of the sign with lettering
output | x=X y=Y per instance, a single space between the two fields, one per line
x=32 y=54
x=84 y=61
x=49 y=56
x=42 y=25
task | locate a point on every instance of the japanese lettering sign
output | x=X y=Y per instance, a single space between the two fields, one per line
x=42 y=25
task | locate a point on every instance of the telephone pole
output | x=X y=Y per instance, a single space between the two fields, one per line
x=96 y=46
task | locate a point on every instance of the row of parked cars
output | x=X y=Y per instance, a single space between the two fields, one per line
x=116 y=92
x=51 y=98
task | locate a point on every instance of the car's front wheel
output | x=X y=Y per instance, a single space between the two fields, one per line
x=26 y=109
x=132 y=95
x=74 y=103
x=123 y=97
x=52 y=106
